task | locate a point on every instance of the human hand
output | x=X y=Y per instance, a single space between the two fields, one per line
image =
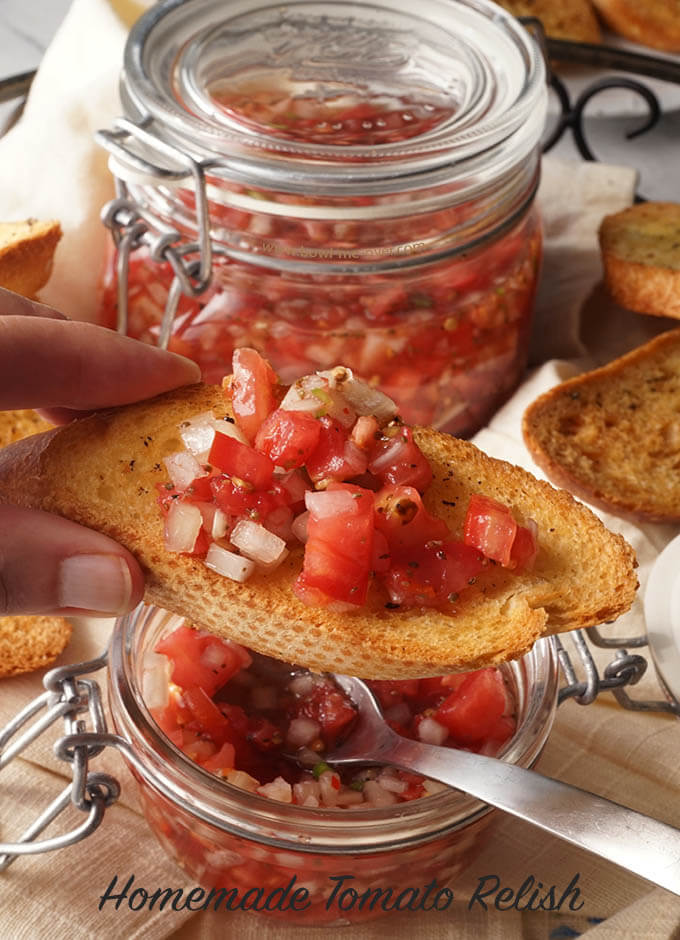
x=66 y=368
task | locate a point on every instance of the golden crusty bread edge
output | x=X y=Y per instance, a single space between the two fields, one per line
x=26 y=254
x=538 y=428
x=102 y=471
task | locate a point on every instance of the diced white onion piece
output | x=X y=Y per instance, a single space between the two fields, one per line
x=155 y=680
x=231 y=429
x=182 y=525
x=348 y=797
x=431 y=732
x=279 y=789
x=328 y=786
x=302 y=731
x=324 y=504
x=198 y=433
x=228 y=563
x=239 y=778
x=310 y=801
x=307 y=394
x=302 y=685
x=258 y=543
x=299 y=526
x=306 y=789
x=377 y=795
x=215 y=520
x=390 y=781
x=183 y=469
x=365 y=399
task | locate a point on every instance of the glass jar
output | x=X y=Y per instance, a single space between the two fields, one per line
x=361 y=180
x=228 y=838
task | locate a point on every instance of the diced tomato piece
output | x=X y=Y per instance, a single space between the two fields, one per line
x=524 y=549
x=399 y=460
x=331 y=708
x=339 y=548
x=201 y=659
x=264 y=734
x=335 y=457
x=381 y=553
x=222 y=759
x=241 y=461
x=501 y=732
x=199 y=490
x=364 y=432
x=404 y=521
x=288 y=437
x=252 y=390
x=473 y=710
x=210 y=719
x=434 y=574
x=490 y=527
x=393 y=691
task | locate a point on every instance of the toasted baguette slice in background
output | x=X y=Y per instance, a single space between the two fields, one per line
x=612 y=436
x=562 y=19
x=641 y=256
x=103 y=471
x=26 y=253
x=28 y=643
x=654 y=23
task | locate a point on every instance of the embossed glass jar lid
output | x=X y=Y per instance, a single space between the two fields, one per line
x=380 y=88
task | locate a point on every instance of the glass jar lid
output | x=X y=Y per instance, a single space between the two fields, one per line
x=329 y=89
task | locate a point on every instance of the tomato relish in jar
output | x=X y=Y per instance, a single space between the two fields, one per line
x=242 y=819
x=357 y=181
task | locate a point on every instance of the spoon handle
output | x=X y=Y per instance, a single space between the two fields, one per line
x=643 y=845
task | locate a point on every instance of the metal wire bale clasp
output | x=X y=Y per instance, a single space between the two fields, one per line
x=78 y=702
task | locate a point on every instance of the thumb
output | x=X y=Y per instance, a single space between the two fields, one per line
x=52 y=565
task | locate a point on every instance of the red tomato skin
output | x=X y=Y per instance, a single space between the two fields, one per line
x=339 y=552
x=335 y=457
x=404 y=521
x=288 y=438
x=185 y=648
x=434 y=575
x=241 y=461
x=490 y=527
x=473 y=710
x=524 y=550
x=409 y=467
x=331 y=709
x=251 y=390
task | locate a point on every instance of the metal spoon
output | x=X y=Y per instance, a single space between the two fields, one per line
x=642 y=845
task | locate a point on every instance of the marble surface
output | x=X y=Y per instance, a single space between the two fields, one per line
x=26 y=27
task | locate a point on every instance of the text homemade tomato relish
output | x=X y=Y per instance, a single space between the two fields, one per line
x=265 y=726
x=446 y=339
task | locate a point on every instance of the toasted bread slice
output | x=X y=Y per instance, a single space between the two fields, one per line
x=26 y=253
x=562 y=19
x=102 y=471
x=28 y=643
x=654 y=23
x=641 y=255
x=612 y=436
x=17 y=424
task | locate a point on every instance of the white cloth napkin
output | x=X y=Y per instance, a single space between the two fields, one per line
x=51 y=168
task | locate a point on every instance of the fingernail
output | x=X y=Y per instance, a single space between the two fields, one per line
x=95 y=582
